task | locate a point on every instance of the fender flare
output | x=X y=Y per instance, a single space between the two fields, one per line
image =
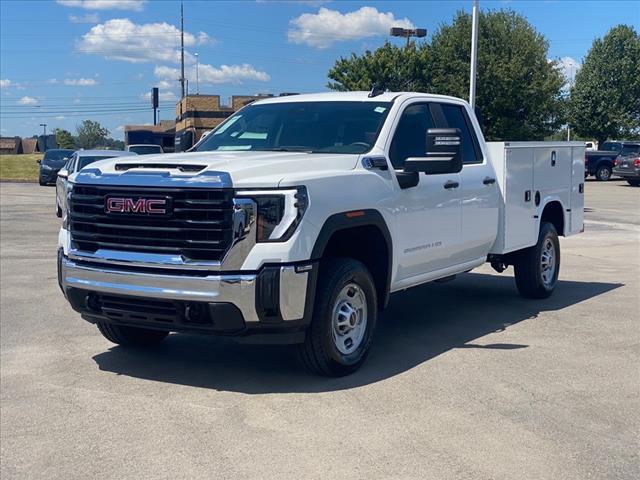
x=353 y=219
x=543 y=204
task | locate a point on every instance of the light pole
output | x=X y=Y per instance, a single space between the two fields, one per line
x=197 y=80
x=474 y=55
x=44 y=135
x=408 y=33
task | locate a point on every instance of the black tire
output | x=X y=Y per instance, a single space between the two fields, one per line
x=529 y=271
x=319 y=353
x=634 y=183
x=131 y=336
x=603 y=174
x=42 y=182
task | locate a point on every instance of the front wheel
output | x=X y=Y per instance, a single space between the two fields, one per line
x=344 y=319
x=131 y=336
x=603 y=173
x=537 y=267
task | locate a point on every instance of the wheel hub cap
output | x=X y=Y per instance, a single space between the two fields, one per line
x=548 y=262
x=349 y=318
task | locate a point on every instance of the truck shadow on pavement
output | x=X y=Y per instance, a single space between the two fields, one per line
x=420 y=324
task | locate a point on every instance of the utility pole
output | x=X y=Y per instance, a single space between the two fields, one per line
x=182 y=46
x=474 y=55
x=197 y=79
x=44 y=135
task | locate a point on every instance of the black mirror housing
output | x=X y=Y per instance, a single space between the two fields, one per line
x=443 y=155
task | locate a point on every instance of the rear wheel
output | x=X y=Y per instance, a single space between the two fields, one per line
x=634 y=183
x=537 y=267
x=344 y=319
x=131 y=336
x=603 y=173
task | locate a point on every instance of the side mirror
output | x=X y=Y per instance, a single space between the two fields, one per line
x=443 y=155
x=39 y=161
x=63 y=173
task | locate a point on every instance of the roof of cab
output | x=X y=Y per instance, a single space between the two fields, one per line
x=351 y=96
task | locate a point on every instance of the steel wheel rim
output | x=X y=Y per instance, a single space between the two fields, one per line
x=349 y=318
x=548 y=262
x=604 y=174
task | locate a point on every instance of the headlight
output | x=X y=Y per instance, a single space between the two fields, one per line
x=66 y=197
x=45 y=166
x=279 y=212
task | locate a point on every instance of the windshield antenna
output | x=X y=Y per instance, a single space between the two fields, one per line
x=375 y=91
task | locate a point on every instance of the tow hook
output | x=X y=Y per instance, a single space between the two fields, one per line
x=498 y=266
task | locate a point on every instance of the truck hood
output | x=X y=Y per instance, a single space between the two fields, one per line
x=241 y=169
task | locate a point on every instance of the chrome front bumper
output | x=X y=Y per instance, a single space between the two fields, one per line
x=237 y=289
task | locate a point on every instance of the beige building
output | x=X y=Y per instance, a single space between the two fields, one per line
x=195 y=114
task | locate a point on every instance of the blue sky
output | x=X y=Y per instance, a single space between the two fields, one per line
x=66 y=60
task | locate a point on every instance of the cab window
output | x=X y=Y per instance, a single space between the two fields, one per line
x=410 y=137
x=454 y=116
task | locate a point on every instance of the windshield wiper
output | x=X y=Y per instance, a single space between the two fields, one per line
x=289 y=149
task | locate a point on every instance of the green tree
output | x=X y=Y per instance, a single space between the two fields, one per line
x=518 y=88
x=605 y=99
x=91 y=134
x=390 y=67
x=64 y=139
x=517 y=91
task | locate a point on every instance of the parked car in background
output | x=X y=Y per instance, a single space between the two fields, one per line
x=77 y=162
x=600 y=162
x=589 y=146
x=145 y=149
x=51 y=163
x=627 y=166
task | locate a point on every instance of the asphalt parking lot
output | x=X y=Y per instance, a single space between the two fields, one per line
x=466 y=380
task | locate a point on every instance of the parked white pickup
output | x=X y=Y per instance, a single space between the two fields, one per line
x=296 y=218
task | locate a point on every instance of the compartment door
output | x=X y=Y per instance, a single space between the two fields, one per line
x=519 y=224
x=577 y=190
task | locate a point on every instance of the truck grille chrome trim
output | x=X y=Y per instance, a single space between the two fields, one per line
x=208 y=230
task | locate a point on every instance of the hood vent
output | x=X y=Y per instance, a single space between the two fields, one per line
x=123 y=167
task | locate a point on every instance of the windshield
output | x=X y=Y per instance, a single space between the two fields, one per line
x=145 y=149
x=57 y=157
x=84 y=161
x=327 y=127
x=611 y=146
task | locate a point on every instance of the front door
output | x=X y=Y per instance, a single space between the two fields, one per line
x=429 y=214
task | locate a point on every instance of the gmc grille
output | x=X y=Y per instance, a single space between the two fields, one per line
x=198 y=228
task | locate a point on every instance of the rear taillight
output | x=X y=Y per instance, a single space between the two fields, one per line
x=636 y=163
x=616 y=162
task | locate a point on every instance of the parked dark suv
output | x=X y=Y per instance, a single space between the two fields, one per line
x=600 y=162
x=53 y=161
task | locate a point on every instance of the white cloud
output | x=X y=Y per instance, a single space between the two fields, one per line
x=51 y=81
x=208 y=74
x=121 y=39
x=4 y=83
x=164 y=84
x=568 y=67
x=80 y=82
x=120 y=128
x=323 y=29
x=60 y=117
x=163 y=96
x=26 y=100
x=88 y=18
x=136 y=5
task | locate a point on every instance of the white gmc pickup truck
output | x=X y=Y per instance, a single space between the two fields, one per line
x=296 y=218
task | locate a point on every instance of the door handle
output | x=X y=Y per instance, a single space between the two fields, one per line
x=488 y=181
x=451 y=184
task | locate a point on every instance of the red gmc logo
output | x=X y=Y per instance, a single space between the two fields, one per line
x=154 y=206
